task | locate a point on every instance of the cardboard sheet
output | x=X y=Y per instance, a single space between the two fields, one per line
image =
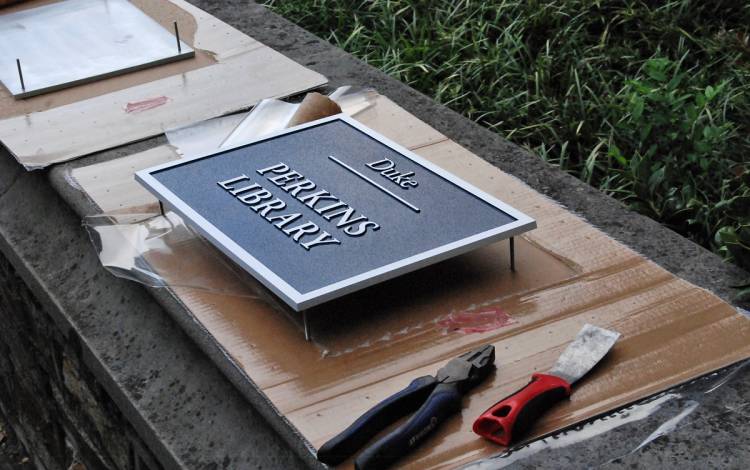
x=568 y=274
x=230 y=71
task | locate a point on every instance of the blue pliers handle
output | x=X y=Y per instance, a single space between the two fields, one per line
x=434 y=398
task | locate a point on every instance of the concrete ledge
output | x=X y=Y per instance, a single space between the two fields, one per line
x=185 y=412
x=180 y=410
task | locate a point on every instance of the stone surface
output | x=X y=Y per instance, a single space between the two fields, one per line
x=12 y=454
x=93 y=362
x=107 y=367
x=49 y=396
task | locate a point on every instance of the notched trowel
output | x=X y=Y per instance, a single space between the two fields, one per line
x=513 y=416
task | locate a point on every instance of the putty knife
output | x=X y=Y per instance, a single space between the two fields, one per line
x=514 y=415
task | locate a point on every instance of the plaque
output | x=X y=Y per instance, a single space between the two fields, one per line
x=330 y=207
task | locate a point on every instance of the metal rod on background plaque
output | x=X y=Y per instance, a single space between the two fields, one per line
x=20 y=74
x=512 y=254
x=177 y=35
x=307 y=327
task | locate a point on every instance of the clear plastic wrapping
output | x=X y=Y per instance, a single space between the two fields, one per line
x=627 y=436
x=270 y=115
x=162 y=251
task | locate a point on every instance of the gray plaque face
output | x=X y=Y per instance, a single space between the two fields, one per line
x=330 y=207
x=76 y=41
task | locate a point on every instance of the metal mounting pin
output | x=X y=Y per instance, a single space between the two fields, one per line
x=20 y=74
x=177 y=35
x=512 y=254
x=308 y=335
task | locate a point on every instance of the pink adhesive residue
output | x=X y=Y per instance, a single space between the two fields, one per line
x=478 y=321
x=151 y=103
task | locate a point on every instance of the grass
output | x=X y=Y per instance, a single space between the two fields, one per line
x=644 y=100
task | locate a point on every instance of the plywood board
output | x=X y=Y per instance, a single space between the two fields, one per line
x=69 y=123
x=568 y=274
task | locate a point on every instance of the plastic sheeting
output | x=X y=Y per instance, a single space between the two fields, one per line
x=630 y=434
x=156 y=251
x=269 y=116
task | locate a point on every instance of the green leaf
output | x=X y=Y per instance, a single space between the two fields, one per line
x=656 y=69
x=637 y=109
x=656 y=179
x=726 y=235
x=712 y=92
x=743 y=295
x=615 y=153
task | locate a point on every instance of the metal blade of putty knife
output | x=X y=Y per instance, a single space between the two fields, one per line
x=589 y=347
x=514 y=416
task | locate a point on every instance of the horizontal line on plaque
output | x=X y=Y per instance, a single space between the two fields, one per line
x=398 y=198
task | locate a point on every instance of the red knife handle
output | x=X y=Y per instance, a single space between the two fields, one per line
x=514 y=415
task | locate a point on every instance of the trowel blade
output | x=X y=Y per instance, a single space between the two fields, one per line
x=589 y=347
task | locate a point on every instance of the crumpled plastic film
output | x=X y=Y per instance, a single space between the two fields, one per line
x=161 y=250
x=204 y=136
x=268 y=116
x=692 y=408
x=273 y=115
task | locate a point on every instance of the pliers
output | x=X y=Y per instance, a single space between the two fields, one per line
x=437 y=398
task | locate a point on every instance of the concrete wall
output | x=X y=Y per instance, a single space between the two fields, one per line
x=57 y=408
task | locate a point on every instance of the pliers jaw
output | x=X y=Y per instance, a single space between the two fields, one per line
x=467 y=370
